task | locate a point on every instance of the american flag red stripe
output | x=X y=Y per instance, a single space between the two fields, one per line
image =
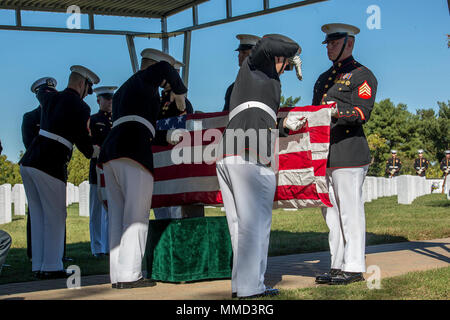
x=301 y=169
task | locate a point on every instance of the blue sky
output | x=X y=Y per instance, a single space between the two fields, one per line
x=408 y=54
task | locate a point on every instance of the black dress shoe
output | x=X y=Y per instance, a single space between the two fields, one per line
x=141 y=283
x=54 y=274
x=114 y=285
x=233 y=295
x=325 y=278
x=270 y=292
x=346 y=278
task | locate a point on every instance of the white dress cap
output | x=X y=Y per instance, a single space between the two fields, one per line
x=105 y=90
x=336 y=31
x=178 y=64
x=247 y=41
x=157 y=55
x=49 y=81
x=86 y=73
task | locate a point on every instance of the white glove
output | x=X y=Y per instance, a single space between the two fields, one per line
x=294 y=121
x=180 y=100
x=96 y=152
x=297 y=63
x=334 y=109
x=174 y=136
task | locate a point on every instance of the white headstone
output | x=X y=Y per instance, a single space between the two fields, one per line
x=69 y=194
x=390 y=183
x=76 y=194
x=366 y=196
x=18 y=198
x=5 y=203
x=447 y=188
x=380 y=190
x=385 y=187
x=406 y=189
x=395 y=183
x=84 y=199
x=373 y=188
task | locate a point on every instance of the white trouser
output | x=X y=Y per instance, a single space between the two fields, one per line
x=47 y=202
x=98 y=222
x=168 y=213
x=129 y=188
x=248 y=192
x=346 y=219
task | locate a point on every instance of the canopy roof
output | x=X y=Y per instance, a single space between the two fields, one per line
x=155 y=9
x=126 y=8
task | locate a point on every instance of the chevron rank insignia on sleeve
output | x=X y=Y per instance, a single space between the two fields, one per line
x=364 y=91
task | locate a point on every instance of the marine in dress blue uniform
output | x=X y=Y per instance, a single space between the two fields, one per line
x=393 y=165
x=100 y=125
x=64 y=122
x=127 y=160
x=353 y=87
x=421 y=164
x=30 y=129
x=445 y=164
x=246 y=44
x=247 y=182
x=169 y=109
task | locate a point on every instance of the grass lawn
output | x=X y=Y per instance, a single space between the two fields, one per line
x=292 y=232
x=424 y=285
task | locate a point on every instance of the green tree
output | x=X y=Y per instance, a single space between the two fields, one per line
x=394 y=127
x=289 y=102
x=378 y=149
x=78 y=168
x=9 y=171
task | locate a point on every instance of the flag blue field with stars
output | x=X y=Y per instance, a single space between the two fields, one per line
x=172 y=123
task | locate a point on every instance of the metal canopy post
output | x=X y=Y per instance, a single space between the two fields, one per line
x=165 y=38
x=132 y=52
x=186 y=57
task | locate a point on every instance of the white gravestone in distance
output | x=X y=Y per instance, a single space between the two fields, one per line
x=5 y=203
x=84 y=199
x=76 y=194
x=18 y=198
x=406 y=189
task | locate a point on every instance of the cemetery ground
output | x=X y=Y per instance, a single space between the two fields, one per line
x=303 y=231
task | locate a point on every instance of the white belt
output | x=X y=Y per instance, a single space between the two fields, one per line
x=252 y=104
x=136 y=118
x=55 y=137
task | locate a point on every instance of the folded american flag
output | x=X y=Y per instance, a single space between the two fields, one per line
x=301 y=168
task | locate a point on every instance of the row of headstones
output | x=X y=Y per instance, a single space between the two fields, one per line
x=405 y=187
x=16 y=196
